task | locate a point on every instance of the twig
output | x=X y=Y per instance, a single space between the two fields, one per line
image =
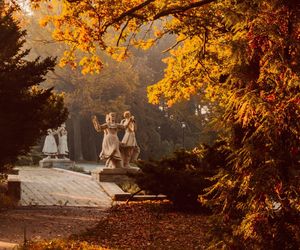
x=133 y=195
x=174 y=45
x=121 y=33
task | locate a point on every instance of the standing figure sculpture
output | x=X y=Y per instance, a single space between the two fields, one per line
x=63 y=141
x=110 y=145
x=50 y=146
x=130 y=149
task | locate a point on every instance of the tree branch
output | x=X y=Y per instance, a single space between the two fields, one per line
x=121 y=33
x=130 y=12
x=177 y=10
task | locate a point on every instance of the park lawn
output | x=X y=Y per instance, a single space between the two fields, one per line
x=139 y=225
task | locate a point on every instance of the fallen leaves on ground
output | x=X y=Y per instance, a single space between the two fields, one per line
x=59 y=244
x=139 y=225
x=148 y=225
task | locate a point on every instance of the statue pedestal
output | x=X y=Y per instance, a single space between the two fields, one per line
x=116 y=175
x=57 y=163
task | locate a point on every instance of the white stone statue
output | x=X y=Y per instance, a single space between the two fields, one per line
x=110 y=145
x=50 y=146
x=130 y=149
x=63 y=141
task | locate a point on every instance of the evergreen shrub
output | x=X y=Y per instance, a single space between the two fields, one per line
x=184 y=175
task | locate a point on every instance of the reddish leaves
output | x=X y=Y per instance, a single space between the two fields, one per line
x=149 y=225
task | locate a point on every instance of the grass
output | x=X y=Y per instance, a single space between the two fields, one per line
x=77 y=169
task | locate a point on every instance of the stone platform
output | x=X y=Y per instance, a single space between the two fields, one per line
x=59 y=187
x=57 y=163
x=116 y=175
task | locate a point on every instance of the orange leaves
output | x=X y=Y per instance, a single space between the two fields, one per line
x=63 y=244
x=84 y=25
x=278 y=188
x=185 y=74
x=44 y=22
x=90 y=64
x=68 y=58
x=271 y=98
x=148 y=225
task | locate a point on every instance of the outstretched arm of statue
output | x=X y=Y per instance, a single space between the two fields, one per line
x=58 y=130
x=123 y=124
x=96 y=124
x=98 y=127
x=55 y=131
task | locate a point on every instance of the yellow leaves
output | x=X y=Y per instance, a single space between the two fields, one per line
x=145 y=44
x=85 y=26
x=64 y=244
x=91 y=64
x=154 y=94
x=118 y=53
x=184 y=75
x=68 y=58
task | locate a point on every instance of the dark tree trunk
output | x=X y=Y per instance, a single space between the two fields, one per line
x=89 y=139
x=78 y=156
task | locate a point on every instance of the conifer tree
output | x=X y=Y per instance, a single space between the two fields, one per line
x=26 y=110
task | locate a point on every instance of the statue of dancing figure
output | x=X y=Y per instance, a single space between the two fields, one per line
x=110 y=145
x=50 y=146
x=63 y=141
x=130 y=149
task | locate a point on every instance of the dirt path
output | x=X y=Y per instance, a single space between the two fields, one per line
x=46 y=222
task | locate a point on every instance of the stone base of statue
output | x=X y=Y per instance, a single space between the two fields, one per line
x=116 y=175
x=64 y=163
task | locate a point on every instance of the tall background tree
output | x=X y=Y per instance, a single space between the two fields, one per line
x=26 y=109
x=244 y=55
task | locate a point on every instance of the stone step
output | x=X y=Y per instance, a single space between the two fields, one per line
x=117 y=194
x=114 y=191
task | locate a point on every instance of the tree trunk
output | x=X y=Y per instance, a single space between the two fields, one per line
x=78 y=156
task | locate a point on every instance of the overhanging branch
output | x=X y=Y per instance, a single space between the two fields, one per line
x=130 y=12
x=180 y=9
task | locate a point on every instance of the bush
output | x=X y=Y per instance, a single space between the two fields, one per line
x=182 y=176
x=30 y=159
x=77 y=169
x=5 y=201
x=130 y=187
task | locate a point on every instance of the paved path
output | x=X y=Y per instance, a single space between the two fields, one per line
x=6 y=245
x=48 y=187
x=46 y=222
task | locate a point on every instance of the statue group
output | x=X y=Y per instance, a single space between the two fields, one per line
x=51 y=149
x=118 y=154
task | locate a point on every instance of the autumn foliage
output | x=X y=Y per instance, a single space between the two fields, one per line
x=243 y=55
